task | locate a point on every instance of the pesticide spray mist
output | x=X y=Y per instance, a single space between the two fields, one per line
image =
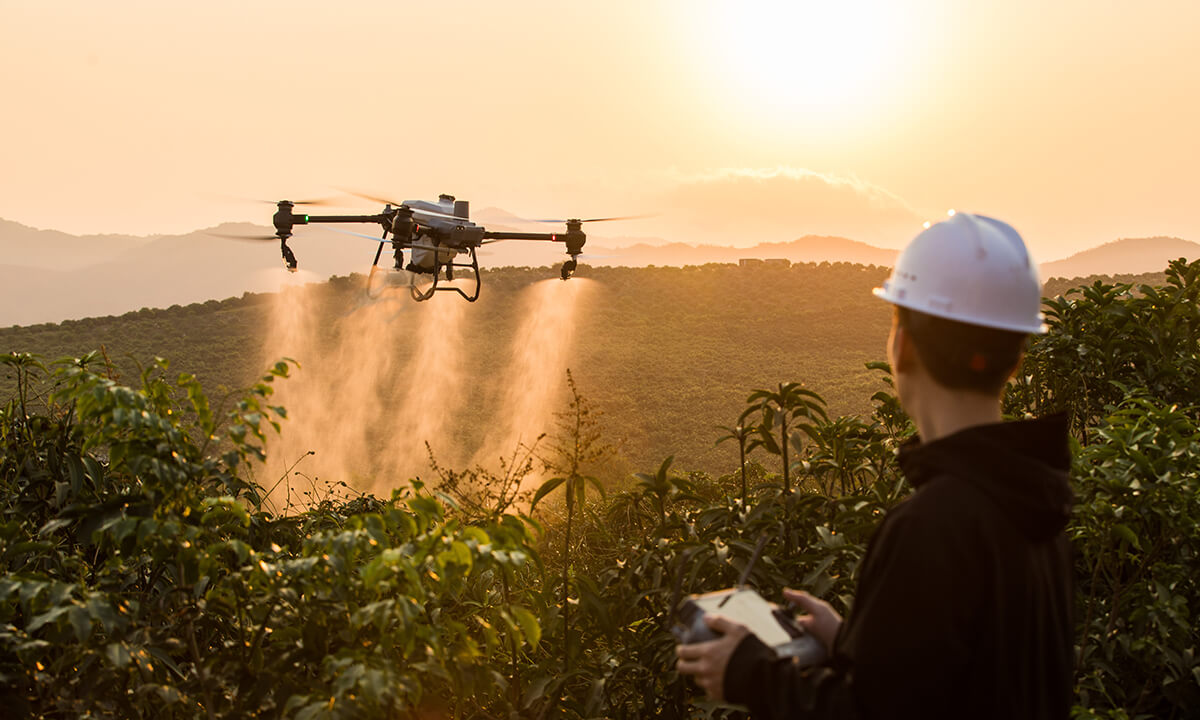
x=532 y=385
x=356 y=410
x=374 y=386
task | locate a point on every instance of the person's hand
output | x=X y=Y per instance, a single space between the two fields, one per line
x=706 y=661
x=821 y=620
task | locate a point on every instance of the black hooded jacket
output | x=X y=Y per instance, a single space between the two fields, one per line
x=963 y=607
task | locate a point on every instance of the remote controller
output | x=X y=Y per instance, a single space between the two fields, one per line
x=771 y=623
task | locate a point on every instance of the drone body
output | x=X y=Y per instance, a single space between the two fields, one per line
x=435 y=234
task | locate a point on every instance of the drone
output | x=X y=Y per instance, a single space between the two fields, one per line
x=439 y=238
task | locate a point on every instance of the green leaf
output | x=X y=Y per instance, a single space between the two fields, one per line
x=547 y=487
x=100 y=610
x=46 y=618
x=1126 y=534
x=81 y=621
x=457 y=554
x=55 y=524
x=529 y=624
x=536 y=690
x=117 y=654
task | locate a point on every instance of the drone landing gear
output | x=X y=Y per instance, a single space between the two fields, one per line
x=472 y=269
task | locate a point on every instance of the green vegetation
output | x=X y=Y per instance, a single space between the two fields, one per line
x=667 y=353
x=1123 y=362
x=141 y=575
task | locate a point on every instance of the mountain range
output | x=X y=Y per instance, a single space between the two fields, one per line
x=50 y=276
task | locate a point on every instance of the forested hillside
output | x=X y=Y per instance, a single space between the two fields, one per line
x=665 y=353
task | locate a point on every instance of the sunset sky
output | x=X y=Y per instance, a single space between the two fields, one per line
x=737 y=122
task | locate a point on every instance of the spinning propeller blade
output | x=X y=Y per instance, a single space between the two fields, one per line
x=237 y=236
x=356 y=234
x=372 y=198
x=393 y=203
x=327 y=201
x=419 y=211
x=314 y=201
x=603 y=219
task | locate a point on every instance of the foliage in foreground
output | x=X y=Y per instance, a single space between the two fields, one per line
x=144 y=578
x=141 y=576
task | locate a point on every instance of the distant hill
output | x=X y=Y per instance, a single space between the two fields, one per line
x=811 y=248
x=1128 y=255
x=49 y=276
x=127 y=274
x=21 y=245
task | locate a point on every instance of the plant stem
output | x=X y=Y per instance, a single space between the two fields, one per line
x=566 y=580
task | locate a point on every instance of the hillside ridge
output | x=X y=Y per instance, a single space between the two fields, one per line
x=50 y=276
x=660 y=351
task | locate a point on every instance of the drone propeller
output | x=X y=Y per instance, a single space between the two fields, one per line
x=326 y=201
x=603 y=219
x=435 y=213
x=238 y=236
x=393 y=203
x=355 y=234
x=372 y=198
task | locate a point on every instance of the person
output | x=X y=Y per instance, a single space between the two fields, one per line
x=963 y=602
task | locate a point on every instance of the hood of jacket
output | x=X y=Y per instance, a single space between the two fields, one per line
x=1023 y=467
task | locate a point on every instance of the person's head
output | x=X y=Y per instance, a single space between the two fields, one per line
x=959 y=356
x=966 y=296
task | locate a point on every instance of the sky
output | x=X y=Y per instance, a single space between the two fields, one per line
x=733 y=122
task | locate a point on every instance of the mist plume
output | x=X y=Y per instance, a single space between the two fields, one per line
x=376 y=385
x=535 y=378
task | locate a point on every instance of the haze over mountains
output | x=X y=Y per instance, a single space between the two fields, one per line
x=50 y=276
x=1129 y=255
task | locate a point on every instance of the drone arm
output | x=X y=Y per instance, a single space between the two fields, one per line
x=306 y=219
x=551 y=237
x=285 y=219
x=574 y=240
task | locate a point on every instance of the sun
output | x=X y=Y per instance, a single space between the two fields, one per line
x=828 y=59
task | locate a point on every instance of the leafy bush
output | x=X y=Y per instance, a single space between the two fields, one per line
x=1110 y=342
x=1124 y=362
x=1139 y=560
x=142 y=575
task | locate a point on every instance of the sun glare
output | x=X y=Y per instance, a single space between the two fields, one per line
x=817 y=59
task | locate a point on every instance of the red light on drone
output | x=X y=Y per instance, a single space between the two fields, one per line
x=554 y=237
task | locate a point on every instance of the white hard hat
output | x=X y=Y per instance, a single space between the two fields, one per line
x=970 y=268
